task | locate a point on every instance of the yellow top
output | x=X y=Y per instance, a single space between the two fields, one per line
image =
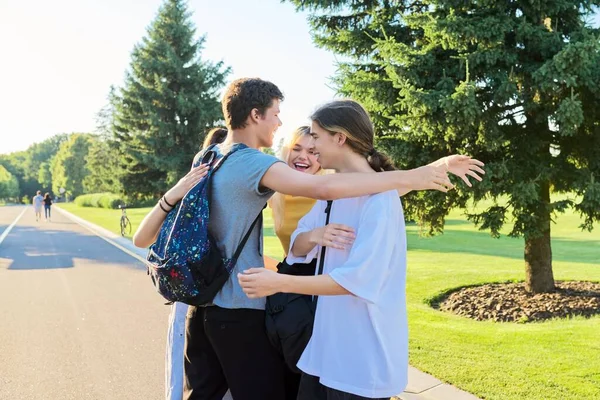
x=294 y=209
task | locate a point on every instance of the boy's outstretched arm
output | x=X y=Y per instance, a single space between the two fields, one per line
x=283 y=179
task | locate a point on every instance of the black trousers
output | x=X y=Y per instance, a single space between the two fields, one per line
x=312 y=389
x=229 y=349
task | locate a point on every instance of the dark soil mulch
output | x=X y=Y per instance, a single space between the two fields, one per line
x=509 y=302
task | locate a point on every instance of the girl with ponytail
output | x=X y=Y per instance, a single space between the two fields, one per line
x=359 y=343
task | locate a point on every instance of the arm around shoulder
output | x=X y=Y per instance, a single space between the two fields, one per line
x=281 y=178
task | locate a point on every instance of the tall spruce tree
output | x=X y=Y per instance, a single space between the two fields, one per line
x=514 y=83
x=168 y=102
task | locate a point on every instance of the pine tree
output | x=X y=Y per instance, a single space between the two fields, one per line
x=168 y=102
x=516 y=84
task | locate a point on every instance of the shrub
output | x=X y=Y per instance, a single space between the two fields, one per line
x=102 y=200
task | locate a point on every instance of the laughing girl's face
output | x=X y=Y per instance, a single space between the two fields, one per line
x=302 y=156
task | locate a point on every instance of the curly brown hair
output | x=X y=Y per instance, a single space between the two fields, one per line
x=244 y=95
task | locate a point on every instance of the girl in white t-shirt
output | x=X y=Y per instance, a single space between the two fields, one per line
x=359 y=345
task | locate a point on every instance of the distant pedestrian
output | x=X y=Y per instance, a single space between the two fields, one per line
x=37 y=201
x=47 y=206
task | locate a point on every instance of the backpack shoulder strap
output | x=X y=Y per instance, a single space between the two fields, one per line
x=322 y=258
x=240 y=247
x=323 y=248
x=204 y=156
x=221 y=160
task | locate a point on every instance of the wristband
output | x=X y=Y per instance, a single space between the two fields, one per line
x=164 y=198
x=161 y=207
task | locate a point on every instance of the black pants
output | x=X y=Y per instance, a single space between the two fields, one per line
x=312 y=389
x=229 y=349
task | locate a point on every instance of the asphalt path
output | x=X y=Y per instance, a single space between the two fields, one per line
x=79 y=317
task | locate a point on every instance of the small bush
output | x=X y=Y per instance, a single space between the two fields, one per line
x=141 y=202
x=102 y=200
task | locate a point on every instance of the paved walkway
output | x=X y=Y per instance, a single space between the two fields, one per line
x=421 y=386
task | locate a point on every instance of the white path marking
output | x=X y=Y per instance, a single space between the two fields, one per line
x=7 y=230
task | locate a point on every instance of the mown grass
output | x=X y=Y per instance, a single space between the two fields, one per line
x=558 y=359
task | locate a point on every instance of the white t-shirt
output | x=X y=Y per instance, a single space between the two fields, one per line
x=359 y=343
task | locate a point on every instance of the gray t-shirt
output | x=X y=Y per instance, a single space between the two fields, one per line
x=237 y=199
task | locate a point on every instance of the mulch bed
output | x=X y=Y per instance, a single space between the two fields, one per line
x=509 y=302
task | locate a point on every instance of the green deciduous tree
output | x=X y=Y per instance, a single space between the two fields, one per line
x=40 y=153
x=15 y=163
x=103 y=164
x=69 y=166
x=514 y=83
x=31 y=167
x=9 y=185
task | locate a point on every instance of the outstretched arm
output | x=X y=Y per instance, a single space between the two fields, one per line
x=461 y=166
x=281 y=178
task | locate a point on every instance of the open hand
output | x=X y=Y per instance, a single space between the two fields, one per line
x=260 y=282
x=177 y=192
x=335 y=236
x=462 y=166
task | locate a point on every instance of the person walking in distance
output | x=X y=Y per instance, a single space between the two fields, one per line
x=38 y=201
x=48 y=207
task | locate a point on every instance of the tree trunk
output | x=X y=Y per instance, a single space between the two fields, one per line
x=538 y=250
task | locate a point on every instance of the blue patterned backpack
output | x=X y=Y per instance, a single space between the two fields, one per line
x=184 y=263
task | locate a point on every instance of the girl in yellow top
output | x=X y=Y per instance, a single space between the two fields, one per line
x=298 y=152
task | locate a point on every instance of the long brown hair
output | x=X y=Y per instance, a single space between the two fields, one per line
x=350 y=118
x=215 y=136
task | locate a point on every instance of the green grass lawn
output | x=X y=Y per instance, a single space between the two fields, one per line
x=557 y=359
x=108 y=219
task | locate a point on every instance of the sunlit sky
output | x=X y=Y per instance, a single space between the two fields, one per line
x=60 y=57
